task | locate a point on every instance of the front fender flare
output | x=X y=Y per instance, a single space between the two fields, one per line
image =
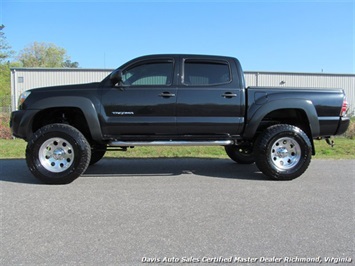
x=84 y=104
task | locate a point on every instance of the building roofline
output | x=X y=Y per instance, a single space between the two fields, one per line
x=59 y=69
x=111 y=69
x=299 y=73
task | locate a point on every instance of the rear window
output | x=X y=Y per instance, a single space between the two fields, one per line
x=198 y=73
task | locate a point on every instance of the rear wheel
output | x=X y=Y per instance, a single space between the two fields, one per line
x=242 y=154
x=283 y=152
x=58 y=154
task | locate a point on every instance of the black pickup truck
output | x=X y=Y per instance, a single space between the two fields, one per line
x=175 y=100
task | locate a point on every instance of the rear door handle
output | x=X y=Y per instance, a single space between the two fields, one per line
x=167 y=94
x=229 y=95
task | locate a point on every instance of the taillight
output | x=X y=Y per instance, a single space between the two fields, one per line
x=344 y=107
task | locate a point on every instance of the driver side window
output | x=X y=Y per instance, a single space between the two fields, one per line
x=149 y=74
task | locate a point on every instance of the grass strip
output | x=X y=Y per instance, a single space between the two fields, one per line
x=343 y=149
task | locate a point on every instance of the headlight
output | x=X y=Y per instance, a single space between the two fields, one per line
x=22 y=98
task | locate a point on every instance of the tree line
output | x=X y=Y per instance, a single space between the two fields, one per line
x=36 y=54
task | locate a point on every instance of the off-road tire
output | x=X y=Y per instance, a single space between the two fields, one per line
x=283 y=152
x=240 y=154
x=58 y=154
x=97 y=152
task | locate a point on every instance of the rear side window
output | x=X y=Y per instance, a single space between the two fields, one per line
x=200 y=72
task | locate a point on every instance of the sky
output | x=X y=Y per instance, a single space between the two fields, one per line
x=288 y=36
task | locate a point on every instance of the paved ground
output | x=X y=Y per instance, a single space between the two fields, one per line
x=207 y=211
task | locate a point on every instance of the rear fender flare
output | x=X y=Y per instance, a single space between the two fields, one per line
x=254 y=119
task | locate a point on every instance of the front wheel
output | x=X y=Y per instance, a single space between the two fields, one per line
x=283 y=152
x=97 y=152
x=58 y=154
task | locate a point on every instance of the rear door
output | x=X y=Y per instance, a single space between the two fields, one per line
x=146 y=101
x=209 y=98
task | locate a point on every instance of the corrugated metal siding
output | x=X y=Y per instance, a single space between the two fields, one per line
x=305 y=80
x=27 y=78
x=41 y=78
x=250 y=79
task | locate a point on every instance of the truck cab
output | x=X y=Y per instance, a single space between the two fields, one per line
x=174 y=95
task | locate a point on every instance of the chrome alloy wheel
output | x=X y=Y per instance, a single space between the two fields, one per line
x=285 y=153
x=56 y=155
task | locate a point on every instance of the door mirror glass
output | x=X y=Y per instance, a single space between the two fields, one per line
x=116 y=77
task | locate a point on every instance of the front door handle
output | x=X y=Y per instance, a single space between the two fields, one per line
x=167 y=94
x=229 y=95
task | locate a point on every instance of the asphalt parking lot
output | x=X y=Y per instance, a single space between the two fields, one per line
x=183 y=211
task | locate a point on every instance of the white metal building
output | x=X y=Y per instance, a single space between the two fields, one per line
x=27 y=78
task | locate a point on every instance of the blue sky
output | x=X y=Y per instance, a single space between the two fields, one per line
x=295 y=36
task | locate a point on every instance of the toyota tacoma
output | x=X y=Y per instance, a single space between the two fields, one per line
x=175 y=99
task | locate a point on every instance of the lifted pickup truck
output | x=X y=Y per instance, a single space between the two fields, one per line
x=175 y=100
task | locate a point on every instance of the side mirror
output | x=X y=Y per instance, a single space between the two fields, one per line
x=116 y=77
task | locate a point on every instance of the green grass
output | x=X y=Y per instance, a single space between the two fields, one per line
x=12 y=148
x=343 y=149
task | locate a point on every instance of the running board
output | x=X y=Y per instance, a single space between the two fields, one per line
x=171 y=143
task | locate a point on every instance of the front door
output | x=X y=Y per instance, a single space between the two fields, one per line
x=144 y=103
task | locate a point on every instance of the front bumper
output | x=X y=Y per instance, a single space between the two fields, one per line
x=21 y=123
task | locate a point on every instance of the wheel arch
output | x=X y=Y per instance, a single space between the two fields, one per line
x=76 y=111
x=297 y=112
